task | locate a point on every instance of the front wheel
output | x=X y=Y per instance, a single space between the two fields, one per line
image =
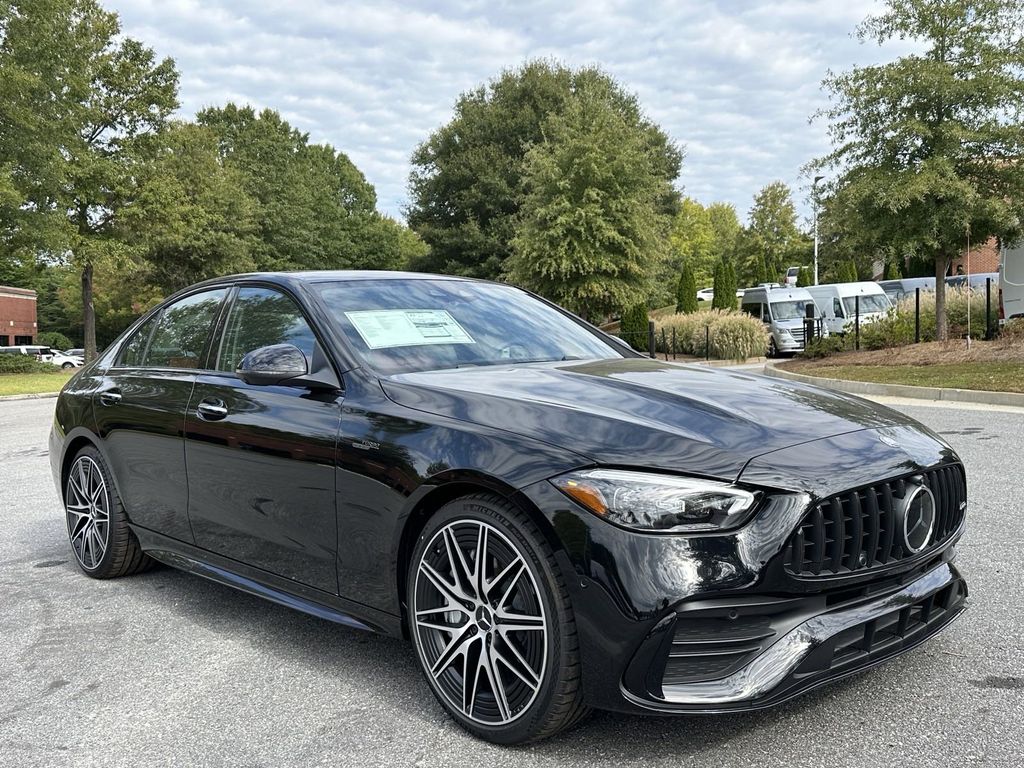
x=490 y=617
x=65 y=366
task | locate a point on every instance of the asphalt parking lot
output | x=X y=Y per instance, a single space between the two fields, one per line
x=169 y=669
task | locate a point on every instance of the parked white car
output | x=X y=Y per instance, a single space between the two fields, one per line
x=1011 y=283
x=708 y=294
x=838 y=303
x=65 y=360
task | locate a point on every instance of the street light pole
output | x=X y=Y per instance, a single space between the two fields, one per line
x=814 y=200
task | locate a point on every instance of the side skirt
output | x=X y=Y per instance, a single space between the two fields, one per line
x=254 y=581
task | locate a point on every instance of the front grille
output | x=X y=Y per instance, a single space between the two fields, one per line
x=710 y=648
x=881 y=636
x=857 y=530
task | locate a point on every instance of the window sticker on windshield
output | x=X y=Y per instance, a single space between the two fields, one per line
x=386 y=328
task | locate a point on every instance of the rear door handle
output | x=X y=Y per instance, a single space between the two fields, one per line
x=212 y=410
x=110 y=397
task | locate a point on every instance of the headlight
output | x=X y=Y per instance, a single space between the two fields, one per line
x=785 y=332
x=652 y=502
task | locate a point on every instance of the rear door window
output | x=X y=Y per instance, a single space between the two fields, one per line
x=183 y=331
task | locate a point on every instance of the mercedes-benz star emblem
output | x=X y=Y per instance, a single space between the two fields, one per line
x=918 y=518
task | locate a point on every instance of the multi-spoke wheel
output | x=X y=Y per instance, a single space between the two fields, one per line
x=88 y=510
x=101 y=539
x=490 y=619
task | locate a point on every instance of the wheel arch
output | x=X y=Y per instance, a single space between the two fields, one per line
x=443 y=489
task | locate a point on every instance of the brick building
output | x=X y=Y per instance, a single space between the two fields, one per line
x=17 y=316
x=984 y=258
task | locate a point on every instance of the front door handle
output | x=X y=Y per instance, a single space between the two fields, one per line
x=212 y=410
x=110 y=397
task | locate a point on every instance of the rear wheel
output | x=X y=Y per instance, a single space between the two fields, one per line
x=103 y=544
x=489 y=615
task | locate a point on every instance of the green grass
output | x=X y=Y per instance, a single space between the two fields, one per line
x=32 y=383
x=987 y=376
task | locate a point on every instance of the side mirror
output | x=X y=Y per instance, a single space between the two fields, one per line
x=276 y=364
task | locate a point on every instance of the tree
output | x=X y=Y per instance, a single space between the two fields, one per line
x=591 y=231
x=191 y=217
x=725 y=230
x=805 y=277
x=686 y=290
x=893 y=269
x=81 y=107
x=928 y=148
x=692 y=241
x=468 y=180
x=724 y=285
x=772 y=232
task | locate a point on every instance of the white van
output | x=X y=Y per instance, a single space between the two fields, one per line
x=783 y=310
x=1011 y=283
x=838 y=303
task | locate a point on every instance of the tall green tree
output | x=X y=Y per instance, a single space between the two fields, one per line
x=686 y=290
x=772 y=234
x=591 y=232
x=469 y=177
x=725 y=230
x=724 y=285
x=929 y=148
x=191 y=218
x=692 y=241
x=81 y=107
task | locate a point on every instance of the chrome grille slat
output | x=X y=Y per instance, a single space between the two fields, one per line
x=857 y=530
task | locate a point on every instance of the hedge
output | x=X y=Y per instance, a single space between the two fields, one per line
x=731 y=335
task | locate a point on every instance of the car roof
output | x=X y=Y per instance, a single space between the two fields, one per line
x=290 y=279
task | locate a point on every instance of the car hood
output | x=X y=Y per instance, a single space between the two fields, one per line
x=642 y=413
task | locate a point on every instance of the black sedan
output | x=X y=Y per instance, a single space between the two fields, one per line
x=556 y=522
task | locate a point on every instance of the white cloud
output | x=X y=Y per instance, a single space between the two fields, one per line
x=732 y=80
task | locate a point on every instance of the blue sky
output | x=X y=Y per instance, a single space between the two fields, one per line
x=732 y=81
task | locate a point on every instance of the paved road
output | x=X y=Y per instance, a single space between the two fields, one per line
x=168 y=669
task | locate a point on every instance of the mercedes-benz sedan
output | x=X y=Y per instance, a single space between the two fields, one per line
x=556 y=522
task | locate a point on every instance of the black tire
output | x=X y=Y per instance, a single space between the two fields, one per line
x=65 y=366
x=557 y=701
x=773 y=351
x=121 y=553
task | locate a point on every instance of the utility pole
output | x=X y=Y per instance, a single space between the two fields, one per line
x=814 y=201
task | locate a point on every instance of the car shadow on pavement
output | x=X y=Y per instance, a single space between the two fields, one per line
x=387 y=666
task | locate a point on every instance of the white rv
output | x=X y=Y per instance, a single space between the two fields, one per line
x=838 y=304
x=783 y=310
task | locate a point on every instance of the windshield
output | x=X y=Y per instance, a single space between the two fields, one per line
x=790 y=310
x=401 y=326
x=869 y=303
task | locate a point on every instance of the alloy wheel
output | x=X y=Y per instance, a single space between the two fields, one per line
x=88 y=512
x=479 y=622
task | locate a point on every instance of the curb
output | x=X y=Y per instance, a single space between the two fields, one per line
x=33 y=396
x=978 y=397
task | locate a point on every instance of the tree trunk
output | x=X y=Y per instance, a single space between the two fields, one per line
x=941 y=325
x=88 y=314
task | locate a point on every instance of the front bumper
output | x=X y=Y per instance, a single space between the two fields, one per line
x=795 y=651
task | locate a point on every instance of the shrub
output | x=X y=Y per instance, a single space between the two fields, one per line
x=898 y=328
x=633 y=326
x=686 y=290
x=732 y=335
x=24 y=364
x=829 y=345
x=54 y=340
x=724 y=285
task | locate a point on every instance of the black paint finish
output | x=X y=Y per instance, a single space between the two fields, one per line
x=313 y=496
